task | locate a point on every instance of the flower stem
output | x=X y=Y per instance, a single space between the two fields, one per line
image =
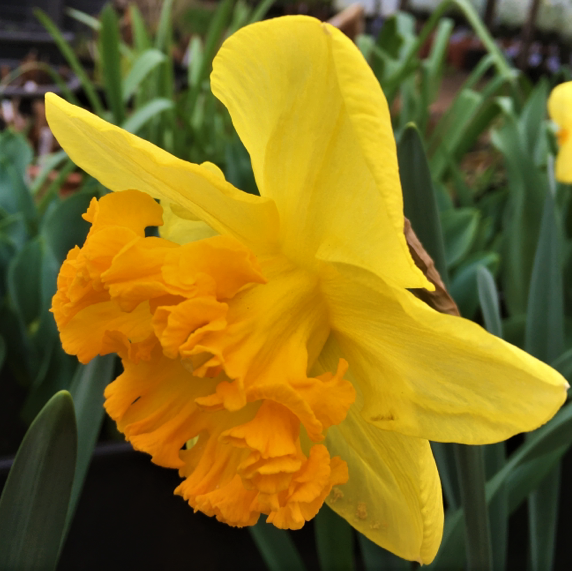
x=470 y=466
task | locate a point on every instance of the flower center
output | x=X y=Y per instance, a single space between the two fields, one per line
x=215 y=346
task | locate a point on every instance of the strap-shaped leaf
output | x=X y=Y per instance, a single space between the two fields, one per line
x=334 y=541
x=531 y=463
x=276 y=547
x=35 y=499
x=87 y=392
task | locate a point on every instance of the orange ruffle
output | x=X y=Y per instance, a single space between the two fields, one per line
x=215 y=346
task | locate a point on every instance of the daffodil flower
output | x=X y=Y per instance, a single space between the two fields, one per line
x=560 y=111
x=272 y=351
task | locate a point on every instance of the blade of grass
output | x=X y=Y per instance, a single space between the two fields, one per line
x=72 y=60
x=142 y=67
x=144 y=114
x=84 y=18
x=141 y=39
x=214 y=36
x=109 y=54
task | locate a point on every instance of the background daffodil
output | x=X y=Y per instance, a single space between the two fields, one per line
x=560 y=111
x=271 y=349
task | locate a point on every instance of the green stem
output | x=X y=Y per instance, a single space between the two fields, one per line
x=471 y=468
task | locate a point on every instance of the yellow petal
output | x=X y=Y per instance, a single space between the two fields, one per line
x=317 y=127
x=431 y=375
x=564 y=160
x=560 y=105
x=393 y=495
x=182 y=231
x=122 y=161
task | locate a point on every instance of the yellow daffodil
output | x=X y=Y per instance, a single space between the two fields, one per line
x=272 y=352
x=560 y=111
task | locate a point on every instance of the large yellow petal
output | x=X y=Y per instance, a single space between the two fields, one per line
x=122 y=161
x=431 y=375
x=317 y=127
x=393 y=495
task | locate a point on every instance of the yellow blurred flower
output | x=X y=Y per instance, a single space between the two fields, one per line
x=560 y=111
x=237 y=325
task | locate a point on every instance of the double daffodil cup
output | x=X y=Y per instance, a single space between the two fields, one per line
x=272 y=352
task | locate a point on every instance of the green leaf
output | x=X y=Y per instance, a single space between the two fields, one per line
x=195 y=60
x=545 y=316
x=164 y=36
x=489 y=301
x=334 y=541
x=527 y=191
x=14 y=230
x=63 y=226
x=109 y=41
x=544 y=338
x=543 y=509
x=72 y=60
x=276 y=547
x=464 y=289
x=87 y=392
x=84 y=18
x=24 y=281
x=147 y=112
x=141 y=38
x=419 y=202
x=376 y=558
x=261 y=10
x=238 y=168
x=35 y=499
x=14 y=194
x=460 y=228
x=540 y=452
x=532 y=118
x=471 y=469
x=15 y=148
x=435 y=63
x=142 y=67
x=214 y=37
x=563 y=365
x=48 y=163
